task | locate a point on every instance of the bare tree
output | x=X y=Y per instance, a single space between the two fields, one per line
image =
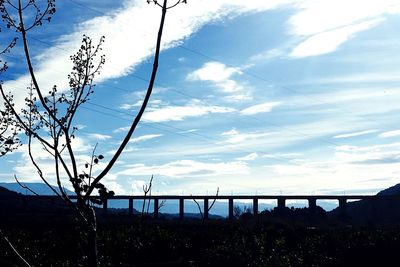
x=147 y=193
x=208 y=208
x=48 y=115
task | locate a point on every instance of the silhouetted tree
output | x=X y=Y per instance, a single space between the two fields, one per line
x=48 y=115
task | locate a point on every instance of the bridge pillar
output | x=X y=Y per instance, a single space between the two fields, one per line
x=205 y=212
x=130 y=210
x=281 y=202
x=230 y=207
x=255 y=206
x=156 y=207
x=181 y=208
x=342 y=205
x=312 y=203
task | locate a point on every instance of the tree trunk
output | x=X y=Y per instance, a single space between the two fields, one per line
x=92 y=260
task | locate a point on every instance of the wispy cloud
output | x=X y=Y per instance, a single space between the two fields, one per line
x=121 y=129
x=249 y=157
x=329 y=41
x=260 y=108
x=322 y=26
x=179 y=113
x=184 y=168
x=144 y=138
x=390 y=133
x=354 y=134
x=124 y=30
x=100 y=137
x=234 y=137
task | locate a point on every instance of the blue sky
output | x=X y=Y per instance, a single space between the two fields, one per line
x=252 y=96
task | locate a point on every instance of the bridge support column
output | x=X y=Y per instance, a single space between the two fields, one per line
x=205 y=212
x=281 y=202
x=230 y=207
x=255 y=206
x=156 y=207
x=130 y=210
x=342 y=205
x=181 y=208
x=312 y=203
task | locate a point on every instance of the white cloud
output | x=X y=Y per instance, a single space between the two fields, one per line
x=235 y=137
x=375 y=154
x=260 y=108
x=268 y=54
x=128 y=42
x=329 y=41
x=185 y=168
x=122 y=129
x=179 y=113
x=213 y=71
x=249 y=157
x=144 y=138
x=353 y=134
x=219 y=74
x=126 y=106
x=100 y=137
x=239 y=97
x=317 y=16
x=27 y=172
x=324 y=25
x=390 y=133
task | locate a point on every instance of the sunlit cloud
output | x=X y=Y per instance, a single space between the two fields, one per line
x=144 y=138
x=329 y=41
x=249 y=157
x=390 y=133
x=260 y=108
x=184 y=168
x=234 y=137
x=99 y=137
x=219 y=74
x=354 y=134
x=179 y=113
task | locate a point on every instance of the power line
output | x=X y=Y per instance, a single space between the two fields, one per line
x=190 y=96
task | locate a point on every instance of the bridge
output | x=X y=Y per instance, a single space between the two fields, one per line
x=280 y=199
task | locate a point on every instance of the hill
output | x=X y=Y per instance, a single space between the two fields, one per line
x=378 y=211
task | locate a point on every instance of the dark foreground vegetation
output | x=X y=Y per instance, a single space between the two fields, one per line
x=49 y=240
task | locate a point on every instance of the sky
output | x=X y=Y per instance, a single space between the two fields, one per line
x=253 y=97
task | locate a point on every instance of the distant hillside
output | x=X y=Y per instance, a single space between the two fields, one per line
x=12 y=203
x=39 y=188
x=7 y=193
x=391 y=191
x=378 y=211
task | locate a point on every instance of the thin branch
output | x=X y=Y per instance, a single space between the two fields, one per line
x=142 y=108
x=199 y=207
x=212 y=204
x=14 y=249
x=25 y=186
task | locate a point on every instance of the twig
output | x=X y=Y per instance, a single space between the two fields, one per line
x=14 y=249
x=25 y=186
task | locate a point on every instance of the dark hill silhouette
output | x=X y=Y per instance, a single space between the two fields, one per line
x=8 y=193
x=12 y=203
x=391 y=191
x=374 y=211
